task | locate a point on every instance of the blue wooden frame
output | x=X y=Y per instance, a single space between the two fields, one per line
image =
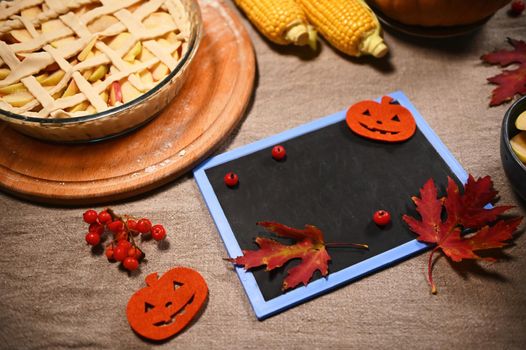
x=264 y=309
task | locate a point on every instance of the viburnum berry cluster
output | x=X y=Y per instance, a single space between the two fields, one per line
x=123 y=229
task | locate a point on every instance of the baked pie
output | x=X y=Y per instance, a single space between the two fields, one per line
x=68 y=58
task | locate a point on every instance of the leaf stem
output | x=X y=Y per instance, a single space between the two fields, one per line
x=430 y=271
x=352 y=245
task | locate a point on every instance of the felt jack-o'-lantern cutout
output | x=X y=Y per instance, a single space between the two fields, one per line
x=385 y=121
x=167 y=304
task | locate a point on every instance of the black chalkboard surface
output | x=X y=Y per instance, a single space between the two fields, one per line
x=333 y=179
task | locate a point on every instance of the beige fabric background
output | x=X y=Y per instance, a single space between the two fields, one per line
x=55 y=294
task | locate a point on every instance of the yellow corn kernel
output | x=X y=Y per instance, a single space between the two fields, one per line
x=349 y=25
x=281 y=21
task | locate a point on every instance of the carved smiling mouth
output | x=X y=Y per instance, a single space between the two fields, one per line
x=383 y=132
x=174 y=316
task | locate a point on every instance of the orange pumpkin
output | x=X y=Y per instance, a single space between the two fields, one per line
x=385 y=121
x=167 y=304
x=438 y=12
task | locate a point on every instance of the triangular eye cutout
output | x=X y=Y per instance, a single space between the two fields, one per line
x=366 y=112
x=177 y=285
x=148 y=307
x=395 y=118
x=394 y=102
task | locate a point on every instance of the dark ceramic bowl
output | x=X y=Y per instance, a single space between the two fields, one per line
x=515 y=170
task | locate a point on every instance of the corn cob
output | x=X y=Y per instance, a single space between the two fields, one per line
x=281 y=21
x=349 y=25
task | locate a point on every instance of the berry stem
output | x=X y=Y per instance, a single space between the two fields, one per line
x=122 y=218
x=131 y=238
x=343 y=245
x=113 y=214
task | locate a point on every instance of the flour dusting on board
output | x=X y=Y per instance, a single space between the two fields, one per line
x=153 y=168
x=228 y=19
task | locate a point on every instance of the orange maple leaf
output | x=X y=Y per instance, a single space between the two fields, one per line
x=464 y=212
x=310 y=248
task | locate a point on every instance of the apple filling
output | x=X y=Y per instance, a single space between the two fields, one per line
x=518 y=142
x=86 y=56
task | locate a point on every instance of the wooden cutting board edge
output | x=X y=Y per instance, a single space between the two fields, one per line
x=49 y=192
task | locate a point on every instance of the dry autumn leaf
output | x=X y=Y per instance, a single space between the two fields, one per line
x=511 y=82
x=463 y=212
x=310 y=248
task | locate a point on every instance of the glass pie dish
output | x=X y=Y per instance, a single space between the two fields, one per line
x=121 y=118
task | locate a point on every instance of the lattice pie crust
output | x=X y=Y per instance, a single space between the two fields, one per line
x=63 y=58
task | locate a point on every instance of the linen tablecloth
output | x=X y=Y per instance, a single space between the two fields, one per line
x=55 y=294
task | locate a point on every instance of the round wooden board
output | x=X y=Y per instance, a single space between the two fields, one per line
x=211 y=103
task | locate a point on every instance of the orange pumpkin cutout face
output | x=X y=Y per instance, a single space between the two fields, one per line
x=167 y=304
x=385 y=121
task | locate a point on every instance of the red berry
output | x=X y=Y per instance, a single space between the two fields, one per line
x=144 y=225
x=126 y=244
x=382 y=217
x=120 y=253
x=130 y=263
x=135 y=252
x=278 y=152
x=132 y=227
x=115 y=226
x=158 y=232
x=132 y=224
x=121 y=236
x=96 y=228
x=231 y=179
x=517 y=7
x=109 y=252
x=92 y=238
x=131 y=252
x=104 y=217
x=90 y=216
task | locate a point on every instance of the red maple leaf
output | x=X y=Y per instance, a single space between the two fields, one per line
x=511 y=82
x=463 y=212
x=310 y=248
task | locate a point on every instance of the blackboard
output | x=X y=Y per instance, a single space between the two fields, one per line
x=333 y=179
